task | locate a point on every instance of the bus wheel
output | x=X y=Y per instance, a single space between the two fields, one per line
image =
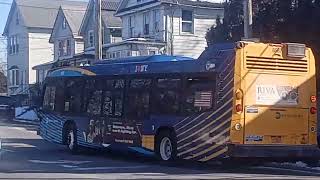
x=166 y=147
x=72 y=143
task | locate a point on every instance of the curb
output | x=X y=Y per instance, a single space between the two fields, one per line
x=26 y=121
x=293 y=167
x=287 y=169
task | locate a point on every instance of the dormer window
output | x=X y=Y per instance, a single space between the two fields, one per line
x=90 y=38
x=64 y=23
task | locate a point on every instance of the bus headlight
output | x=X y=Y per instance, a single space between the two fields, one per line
x=237 y=127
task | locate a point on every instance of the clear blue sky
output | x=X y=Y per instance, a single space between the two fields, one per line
x=4 y=11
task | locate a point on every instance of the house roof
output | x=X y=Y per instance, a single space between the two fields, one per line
x=74 y=15
x=38 y=13
x=203 y=4
x=110 y=4
x=109 y=8
x=110 y=20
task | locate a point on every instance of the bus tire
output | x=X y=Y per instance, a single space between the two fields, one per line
x=166 y=146
x=71 y=138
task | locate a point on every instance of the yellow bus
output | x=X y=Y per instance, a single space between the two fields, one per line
x=238 y=100
x=275 y=111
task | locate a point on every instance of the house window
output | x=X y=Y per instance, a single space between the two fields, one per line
x=90 y=38
x=13 y=45
x=14 y=77
x=152 y=52
x=64 y=23
x=60 y=48
x=146 y=22
x=64 y=48
x=187 y=21
x=68 y=43
x=156 y=20
x=118 y=54
x=131 y=26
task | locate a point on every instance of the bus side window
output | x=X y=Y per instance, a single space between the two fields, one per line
x=107 y=109
x=118 y=103
x=113 y=98
x=198 y=95
x=166 y=96
x=73 y=94
x=139 y=98
x=49 y=98
x=95 y=100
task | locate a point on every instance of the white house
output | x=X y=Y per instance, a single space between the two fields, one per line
x=28 y=29
x=111 y=26
x=68 y=45
x=175 y=27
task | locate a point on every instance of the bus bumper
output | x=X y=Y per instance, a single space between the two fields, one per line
x=269 y=151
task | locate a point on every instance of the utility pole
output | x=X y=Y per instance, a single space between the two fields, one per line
x=247 y=10
x=98 y=30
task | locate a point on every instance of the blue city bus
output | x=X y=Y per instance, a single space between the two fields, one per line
x=170 y=106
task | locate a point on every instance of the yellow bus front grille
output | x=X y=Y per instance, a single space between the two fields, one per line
x=272 y=64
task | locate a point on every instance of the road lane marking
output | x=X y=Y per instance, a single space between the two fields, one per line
x=59 y=162
x=68 y=166
x=18 y=145
x=111 y=168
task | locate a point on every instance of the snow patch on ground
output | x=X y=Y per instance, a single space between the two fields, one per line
x=298 y=164
x=25 y=114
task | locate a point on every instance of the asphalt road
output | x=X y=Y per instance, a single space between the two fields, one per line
x=24 y=155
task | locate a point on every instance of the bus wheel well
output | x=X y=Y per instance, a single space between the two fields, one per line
x=66 y=125
x=165 y=128
x=169 y=130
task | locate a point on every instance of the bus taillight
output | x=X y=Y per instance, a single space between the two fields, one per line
x=239 y=108
x=313 y=110
x=313 y=99
x=239 y=95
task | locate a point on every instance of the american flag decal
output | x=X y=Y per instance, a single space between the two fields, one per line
x=203 y=99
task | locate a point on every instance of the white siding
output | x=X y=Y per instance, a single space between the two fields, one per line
x=138 y=24
x=21 y=58
x=41 y=51
x=186 y=44
x=192 y=44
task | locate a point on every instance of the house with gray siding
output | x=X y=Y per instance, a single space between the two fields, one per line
x=111 y=26
x=68 y=45
x=28 y=30
x=175 y=27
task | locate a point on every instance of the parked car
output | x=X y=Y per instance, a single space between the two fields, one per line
x=7 y=106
